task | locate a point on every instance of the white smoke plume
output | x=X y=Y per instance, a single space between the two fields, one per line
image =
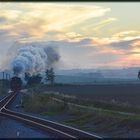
x=34 y=59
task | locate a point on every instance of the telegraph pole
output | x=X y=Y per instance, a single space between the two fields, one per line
x=7 y=81
x=6 y=76
x=3 y=76
x=9 y=76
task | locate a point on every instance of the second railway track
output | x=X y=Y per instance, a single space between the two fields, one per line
x=4 y=100
x=57 y=129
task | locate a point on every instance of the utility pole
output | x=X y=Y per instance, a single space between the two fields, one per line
x=9 y=76
x=3 y=76
x=6 y=76
x=7 y=82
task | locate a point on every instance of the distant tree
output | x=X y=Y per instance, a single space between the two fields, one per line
x=139 y=74
x=35 y=79
x=27 y=76
x=50 y=75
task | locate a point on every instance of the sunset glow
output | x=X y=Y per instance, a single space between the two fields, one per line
x=88 y=35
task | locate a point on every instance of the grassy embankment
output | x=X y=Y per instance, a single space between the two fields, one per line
x=104 y=116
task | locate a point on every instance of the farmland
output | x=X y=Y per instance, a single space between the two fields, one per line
x=111 y=110
x=124 y=94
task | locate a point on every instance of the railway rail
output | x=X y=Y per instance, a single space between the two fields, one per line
x=6 y=99
x=57 y=129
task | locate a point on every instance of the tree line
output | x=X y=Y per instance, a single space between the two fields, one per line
x=36 y=79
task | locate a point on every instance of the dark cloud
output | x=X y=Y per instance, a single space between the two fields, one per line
x=24 y=35
x=3 y=19
x=85 y=41
x=4 y=32
x=123 y=44
x=82 y=43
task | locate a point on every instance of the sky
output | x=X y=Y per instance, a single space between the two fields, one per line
x=87 y=35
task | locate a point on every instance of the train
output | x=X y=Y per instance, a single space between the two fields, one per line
x=15 y=84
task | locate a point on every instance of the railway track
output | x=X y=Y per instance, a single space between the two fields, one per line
x=5 y=99
x=56 y=129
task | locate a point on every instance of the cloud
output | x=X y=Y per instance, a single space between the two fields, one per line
x=10 y=14
x=86 y=42
x=3 y=32
x=122 y=44
x=133 y=52
x=74 y=28
x=69 y=36
x=40 y=19
x=101 y=24
x=3 y=19
x=126 y=35
x=116 y=42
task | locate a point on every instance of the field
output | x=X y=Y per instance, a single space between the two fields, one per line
x=110 y=110
x=125 y=94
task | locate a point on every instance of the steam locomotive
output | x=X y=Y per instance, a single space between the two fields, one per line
x=15 y=84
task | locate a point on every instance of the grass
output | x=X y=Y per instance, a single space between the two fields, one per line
x=49 y=113
x=82 y=120
x=97 y=104
x=40 y=103
x=102 y=121
x=104 y=117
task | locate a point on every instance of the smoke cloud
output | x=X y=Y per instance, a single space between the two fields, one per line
x=34 y=59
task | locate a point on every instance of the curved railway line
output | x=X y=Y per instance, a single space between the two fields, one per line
x=58 y=130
